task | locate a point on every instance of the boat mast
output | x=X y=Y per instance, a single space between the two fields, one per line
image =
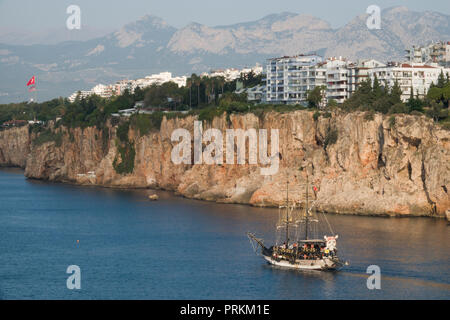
x=287 y=213
x=306 y=207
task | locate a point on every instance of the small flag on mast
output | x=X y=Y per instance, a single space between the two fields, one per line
x=32 y=81
x=31 y=89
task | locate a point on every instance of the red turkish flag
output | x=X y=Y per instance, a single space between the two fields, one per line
x=31 y=81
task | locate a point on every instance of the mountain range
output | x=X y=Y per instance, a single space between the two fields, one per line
x=150 y=45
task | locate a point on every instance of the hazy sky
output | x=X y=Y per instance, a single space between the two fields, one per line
x=38 y=15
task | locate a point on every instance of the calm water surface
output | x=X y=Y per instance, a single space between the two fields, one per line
x=130 y=248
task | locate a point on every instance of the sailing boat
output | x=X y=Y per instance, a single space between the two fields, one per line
x=299 y=250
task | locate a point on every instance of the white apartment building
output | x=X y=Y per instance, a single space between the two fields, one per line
x=337 y=79
x=257 y=70
x=438 y=52
x=159 y=79
x=231 y=74
x=359 y=72
x=289 y=78
x=122 y=85
x=180 y=81
x=415 y=76
x=83 y=94
x=255 y=94
x=104 y=91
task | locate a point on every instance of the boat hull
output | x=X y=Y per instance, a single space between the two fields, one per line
x=321 y=264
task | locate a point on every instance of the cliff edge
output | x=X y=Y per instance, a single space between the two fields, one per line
x=359 y=165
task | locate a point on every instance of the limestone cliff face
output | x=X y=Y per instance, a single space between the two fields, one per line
x=373 y=167
x=14 y=147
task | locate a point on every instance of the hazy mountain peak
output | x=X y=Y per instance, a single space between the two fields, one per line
x=397 y=9
x=150 y=45
x=147 y=23
x=152 y=20
x=299 y=21
x=147 y=28
x=194 y=26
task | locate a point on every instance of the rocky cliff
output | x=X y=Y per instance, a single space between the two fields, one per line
x=14 y=147
x=359 y=166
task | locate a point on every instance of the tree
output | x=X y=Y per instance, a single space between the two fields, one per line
x=138 y=94
x=435 y=111
x=395 y=93
x=377 y=90
x=315 y=97
x=399 y=108
x=446 y=94
x=442 y=81
x=332 y=104
x=435 y=94
x=154 y=96
x=189 y=85
x=362 y=99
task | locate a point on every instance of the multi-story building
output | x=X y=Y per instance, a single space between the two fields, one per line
x=180 y=81
x=158 y=79
x=289 y=78
x=256 y=94
x=82 y=94
x=359 y=72
x=257 y=70
x=416 y=77
x=104 y=91
x=338 y=75
x=231 y=74
x=122 y=85
x=107 y=91
x=438 y=52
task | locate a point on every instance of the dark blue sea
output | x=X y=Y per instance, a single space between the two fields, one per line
x=131 y=248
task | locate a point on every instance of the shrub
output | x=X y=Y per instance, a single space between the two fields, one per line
x=48 y=136
x=127 y=155
x=369 y=116
x=145 y=123
x=446 y=126
x=316 y=115
x=71 y=137
x=142 y=123
x=391 y=122
x=122 y=131
x=399 y=108
x=416 y=113
x=209 y=114
x=105 y=140
x=115 y=121
x=156 y=120
x=330 y=138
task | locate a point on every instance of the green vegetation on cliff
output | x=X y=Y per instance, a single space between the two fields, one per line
x=378 y=98
x=211 y=97
x=126 y=150
x=48 y=136
x=145 y=123
x=127 y=155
